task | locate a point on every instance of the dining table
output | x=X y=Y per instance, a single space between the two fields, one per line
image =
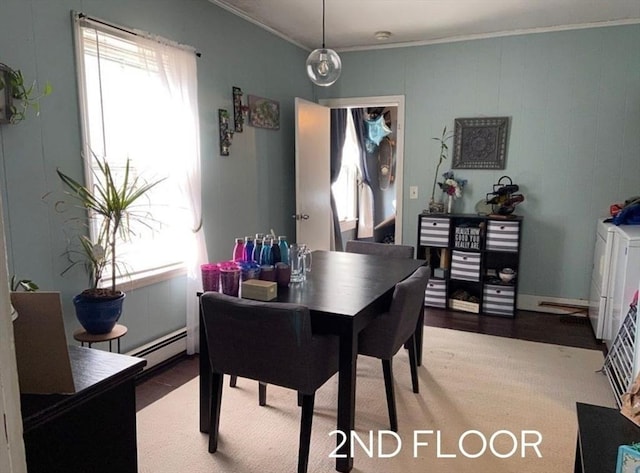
x=344 y=293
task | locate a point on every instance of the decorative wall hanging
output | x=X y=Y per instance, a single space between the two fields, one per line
x=18 y=96
x=264 y=113
x=226 y=134
x=238 y=110
x=480 y=143
x=385 y=163
x=5 y=95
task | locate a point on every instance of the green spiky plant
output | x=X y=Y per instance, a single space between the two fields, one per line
x=112 y=202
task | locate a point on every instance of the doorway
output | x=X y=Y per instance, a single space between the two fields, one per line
x=385 y=170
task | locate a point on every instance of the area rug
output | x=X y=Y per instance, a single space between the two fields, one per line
x=486 y=404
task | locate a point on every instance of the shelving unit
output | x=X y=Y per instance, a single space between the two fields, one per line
x=467 y=251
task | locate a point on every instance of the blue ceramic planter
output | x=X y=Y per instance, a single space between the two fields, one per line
x=98 y=315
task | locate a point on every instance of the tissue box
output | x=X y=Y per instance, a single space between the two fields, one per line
x=259 y=290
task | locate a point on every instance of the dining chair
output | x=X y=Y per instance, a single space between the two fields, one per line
x=269 y=342
x=393 y=251
x=381 y=249
x=388 y=332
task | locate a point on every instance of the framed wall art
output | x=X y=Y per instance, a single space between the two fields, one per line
x=480 y=143
x=264 y=113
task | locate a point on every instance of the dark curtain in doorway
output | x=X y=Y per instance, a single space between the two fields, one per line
x=361 y=135
x=338 y=134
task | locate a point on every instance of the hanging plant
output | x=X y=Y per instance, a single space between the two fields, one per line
x=19 y=96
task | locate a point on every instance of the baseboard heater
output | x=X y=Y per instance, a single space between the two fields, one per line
x=162 y=349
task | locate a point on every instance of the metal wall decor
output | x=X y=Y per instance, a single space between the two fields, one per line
x=226 y=133
x=480 y=143
x=5 y=95
x=238 y=116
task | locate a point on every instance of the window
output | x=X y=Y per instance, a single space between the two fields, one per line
x=345 y=189
x=134 y=95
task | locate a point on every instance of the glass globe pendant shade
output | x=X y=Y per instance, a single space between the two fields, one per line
x=323 y=66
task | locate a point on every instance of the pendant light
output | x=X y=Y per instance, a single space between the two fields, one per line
x=323 y=65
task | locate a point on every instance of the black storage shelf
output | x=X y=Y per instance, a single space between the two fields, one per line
x=467 y=252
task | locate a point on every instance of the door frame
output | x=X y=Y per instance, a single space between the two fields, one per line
x=382 y=101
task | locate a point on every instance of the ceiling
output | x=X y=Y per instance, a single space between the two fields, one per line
x=351 y=24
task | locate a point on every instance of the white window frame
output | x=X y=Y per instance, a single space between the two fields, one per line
x=144 y=276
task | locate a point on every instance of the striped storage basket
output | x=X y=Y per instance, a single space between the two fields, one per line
x=465 y=265
x=435 y=295
x=434 y=232
x=502 y=236
x=498 y=300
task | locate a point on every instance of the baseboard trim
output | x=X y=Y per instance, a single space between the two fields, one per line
x=556 y=305
x=162 y=349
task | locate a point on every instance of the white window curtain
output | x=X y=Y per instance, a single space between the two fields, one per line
x=182 y=81
x=163 y=138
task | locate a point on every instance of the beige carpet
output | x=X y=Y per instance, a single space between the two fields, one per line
x=467 y=382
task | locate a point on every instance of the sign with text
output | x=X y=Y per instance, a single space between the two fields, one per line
x=467 y=237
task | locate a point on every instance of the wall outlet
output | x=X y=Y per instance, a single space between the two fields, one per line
x=413 y=192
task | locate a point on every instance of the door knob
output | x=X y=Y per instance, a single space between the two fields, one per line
x=300 y=216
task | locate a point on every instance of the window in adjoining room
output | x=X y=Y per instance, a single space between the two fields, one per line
x=345 y=188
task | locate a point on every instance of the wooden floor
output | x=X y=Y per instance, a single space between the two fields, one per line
x=568 y=330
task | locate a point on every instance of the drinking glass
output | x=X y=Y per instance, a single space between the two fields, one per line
x=296 y=262
x=306 y=256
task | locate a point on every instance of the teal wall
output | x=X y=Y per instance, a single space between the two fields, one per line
x=251 y=190
x=574 y=147
x=574 y=99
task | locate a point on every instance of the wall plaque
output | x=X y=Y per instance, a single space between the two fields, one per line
x=480 y=143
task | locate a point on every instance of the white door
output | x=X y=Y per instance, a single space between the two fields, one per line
x=313 y=199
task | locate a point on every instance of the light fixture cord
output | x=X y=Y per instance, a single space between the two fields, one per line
x=323 y=24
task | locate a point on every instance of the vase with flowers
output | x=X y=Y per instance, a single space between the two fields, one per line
x=452 y=187
x=438 y=207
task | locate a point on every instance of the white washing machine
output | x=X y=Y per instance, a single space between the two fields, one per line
x=624 y=277
x=600 y=277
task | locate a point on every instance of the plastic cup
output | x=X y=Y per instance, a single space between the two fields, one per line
x=283 y=274
x=230 y=280
x=267 y=272
x=210 y=277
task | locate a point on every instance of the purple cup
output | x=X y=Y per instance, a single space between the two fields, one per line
x=283 y=274
x=230 y=280
x=210 y=277
x=267 y=272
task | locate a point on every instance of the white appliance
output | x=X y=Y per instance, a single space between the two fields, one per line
x=600 y=277
x=624 y=277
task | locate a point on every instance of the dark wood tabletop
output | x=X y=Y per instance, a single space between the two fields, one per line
x=601 y=430
x=344 y=292
x=94 y=371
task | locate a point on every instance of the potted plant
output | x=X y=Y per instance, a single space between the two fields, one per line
x=111 y=202
x=438 y=207
x=19 y=97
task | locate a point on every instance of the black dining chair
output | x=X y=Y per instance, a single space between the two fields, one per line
x=269 y=342
x=381 y=249
x=392 y=251
x=388 y=332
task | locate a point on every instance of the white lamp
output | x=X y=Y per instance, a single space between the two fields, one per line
x=323 y=65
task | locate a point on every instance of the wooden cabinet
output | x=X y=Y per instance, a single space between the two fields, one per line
x=467 y=253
